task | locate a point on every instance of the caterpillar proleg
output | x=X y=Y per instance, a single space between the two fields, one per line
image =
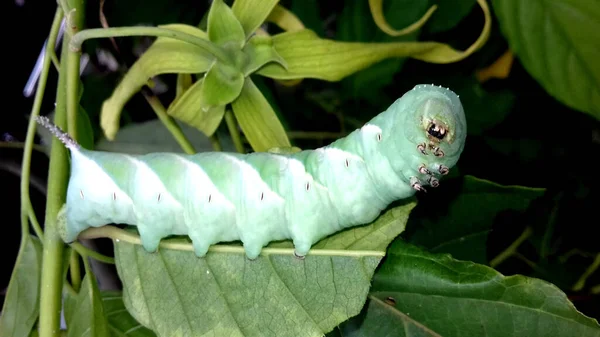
x=261 y=197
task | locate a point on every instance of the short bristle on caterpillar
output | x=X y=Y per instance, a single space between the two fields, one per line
x=257 y=198
x=57 y=132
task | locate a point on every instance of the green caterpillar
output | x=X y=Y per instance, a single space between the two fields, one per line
x=261 y=197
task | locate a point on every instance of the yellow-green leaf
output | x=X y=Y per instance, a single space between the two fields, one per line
x=222 y=84
x=285 y=19
x=379 y=18
x=259 y=51
x=309 y=56
x=258 y=120
x=184 y=82
x=252 y=13
x=187 y=108
x=164 y=56
x=223 y=26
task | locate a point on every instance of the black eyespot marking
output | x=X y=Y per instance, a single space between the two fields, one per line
x=437 y=131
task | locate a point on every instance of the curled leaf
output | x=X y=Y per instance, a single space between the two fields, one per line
x=187 y=109
x=164 y=56
x=258 y=120
x=309 y=56
x=259 y=51
x=223 y=26
x=376 y=7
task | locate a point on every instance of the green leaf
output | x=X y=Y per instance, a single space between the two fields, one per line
x=309 y=56
x=164 y=56
x=251 y=14
x=191 y=109
x=446 y=222
x=259 y=51
x=258 y=120
x=225 y=294
x=121 y=323
x=556 y=41
x=222 y=84
x=21 y=304
x=223 y=27
x=84 y=312
x=152 y=136
x=457 y=298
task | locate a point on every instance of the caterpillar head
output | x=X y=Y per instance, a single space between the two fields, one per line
x=430 y=128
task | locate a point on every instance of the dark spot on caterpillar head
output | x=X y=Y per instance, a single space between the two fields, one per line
x=262 y=196
x=391 y=301
x=379 y=137
x=347 y=163
x=307 y=186
x=437 y=131
x=209 y=198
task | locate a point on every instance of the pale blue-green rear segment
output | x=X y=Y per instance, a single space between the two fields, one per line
x=262 y=197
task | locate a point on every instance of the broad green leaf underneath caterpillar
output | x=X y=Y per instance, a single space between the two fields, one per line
x=261 y=197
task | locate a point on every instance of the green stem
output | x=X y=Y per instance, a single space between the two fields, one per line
x=97 y=33
x=235 y=133
x=170 y=124
x=508 y=252
x=20 y=145
x=86 y=252
x=72 y=74
x=75 y=270
x=589 y=271
x=34 y=221
x=31 y=128
x=216 y=144
x=52 y=257
x=121 y=235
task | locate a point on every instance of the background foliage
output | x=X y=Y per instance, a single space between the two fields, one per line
x=520 y=202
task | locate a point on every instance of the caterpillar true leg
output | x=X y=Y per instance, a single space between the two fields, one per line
x=416 y=184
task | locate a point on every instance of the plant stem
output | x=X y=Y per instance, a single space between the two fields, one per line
x=52 y=257
x=35 y=111
x=72 y=74
x=589 y=271
x=235 y=134
x=118 y=234
x=96 y=33
x=86 y=252
x=216 y=144
x=170 y=124
x=75 y=270
x=34 y=221
x=512 y=248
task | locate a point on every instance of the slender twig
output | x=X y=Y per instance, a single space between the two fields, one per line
x=216 y=144
x=97 y=33
x=75 y=270
x=86 y=252
x=118 y=234
x=170 y=124
x=512 y=248
x=233 y=130
x=588 y=272
x=21 y=145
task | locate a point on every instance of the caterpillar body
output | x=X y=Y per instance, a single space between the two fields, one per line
x=261 y=197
